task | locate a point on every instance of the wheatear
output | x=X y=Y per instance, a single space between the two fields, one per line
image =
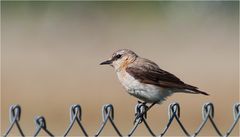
x=144 y=79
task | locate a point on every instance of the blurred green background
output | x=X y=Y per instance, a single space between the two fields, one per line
x=51 y=53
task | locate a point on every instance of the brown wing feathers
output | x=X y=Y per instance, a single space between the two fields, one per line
x=150 y=73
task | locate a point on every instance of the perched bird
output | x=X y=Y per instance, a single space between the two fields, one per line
x=144 y=79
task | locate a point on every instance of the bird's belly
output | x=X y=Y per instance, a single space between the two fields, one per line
x=146 y=92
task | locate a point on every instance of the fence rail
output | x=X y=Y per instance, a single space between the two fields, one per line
x=108 y=115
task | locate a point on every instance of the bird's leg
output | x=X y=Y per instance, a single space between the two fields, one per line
x=139 y=102
x=144 y=112
x=144 y=103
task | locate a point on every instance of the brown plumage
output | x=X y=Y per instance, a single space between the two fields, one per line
x=149 y=72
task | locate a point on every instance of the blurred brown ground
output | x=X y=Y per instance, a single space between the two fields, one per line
x=51 y=53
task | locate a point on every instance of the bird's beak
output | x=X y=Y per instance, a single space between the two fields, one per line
x=107 y=62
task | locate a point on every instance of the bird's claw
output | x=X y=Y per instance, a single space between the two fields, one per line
x=138 y=119
x=141 y=114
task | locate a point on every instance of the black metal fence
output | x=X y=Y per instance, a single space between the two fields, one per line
x=108 y=116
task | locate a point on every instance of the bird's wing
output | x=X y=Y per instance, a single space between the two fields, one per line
x=148 y=72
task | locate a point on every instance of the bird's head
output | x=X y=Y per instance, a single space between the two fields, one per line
x=120 y=59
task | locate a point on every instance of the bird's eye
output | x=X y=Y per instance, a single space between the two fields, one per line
x=118 y=56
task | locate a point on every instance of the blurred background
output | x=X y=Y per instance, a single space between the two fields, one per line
x=51 y=53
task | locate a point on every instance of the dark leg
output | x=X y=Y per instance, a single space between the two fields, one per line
x=148 y=108
x=139 y=102
x=144 y=103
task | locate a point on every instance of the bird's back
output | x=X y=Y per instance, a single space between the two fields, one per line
x=148 y=72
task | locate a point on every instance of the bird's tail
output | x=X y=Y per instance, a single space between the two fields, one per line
x=194 y=90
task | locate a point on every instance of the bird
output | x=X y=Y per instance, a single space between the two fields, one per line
x=145 y=80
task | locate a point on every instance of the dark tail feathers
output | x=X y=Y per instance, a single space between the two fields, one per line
x=195 y=90
x=201 y=92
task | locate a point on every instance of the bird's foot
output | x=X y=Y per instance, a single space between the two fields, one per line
x=141 y=113
x=136 y=119
x=139 y=117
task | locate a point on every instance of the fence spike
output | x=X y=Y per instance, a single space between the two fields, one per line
x=140 y=108
x=75 y=115
x=14 y=118
x=108 y=114
x=40 y=123
x=236 y=116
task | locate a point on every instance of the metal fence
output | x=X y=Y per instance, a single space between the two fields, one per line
x=108 y=116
